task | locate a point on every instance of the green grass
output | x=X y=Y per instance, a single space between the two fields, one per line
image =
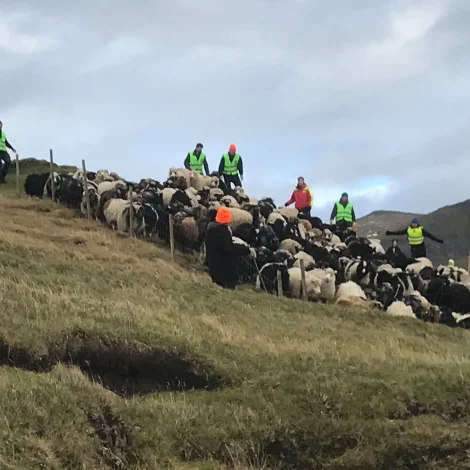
x=97 y=334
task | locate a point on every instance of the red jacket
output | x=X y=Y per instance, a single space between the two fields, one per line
x=302 y=197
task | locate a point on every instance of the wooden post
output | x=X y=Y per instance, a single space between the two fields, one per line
x=279 y=283
x=131 y=212
x=17 y=175
x=87 y=195
x=52 y=175
x=304 y=279
x=172 y=236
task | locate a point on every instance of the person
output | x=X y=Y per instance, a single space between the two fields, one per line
x=302 y=197
x=343 y=212
x=395 y=256
x=416 y=234
x=221 y=252
x=196 y=160
x=231 y=167
x=451 y=262
x=4 y=155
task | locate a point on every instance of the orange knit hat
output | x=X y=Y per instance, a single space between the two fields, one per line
x=232 y=148
x=224 y=216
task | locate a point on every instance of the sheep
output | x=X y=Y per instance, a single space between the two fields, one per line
x=266 y=280
x=113 y=209
x=71 y=191
x=216 y=193
x=291 y=246
x=230 y=201
x=327 y=286
x=376 y=246
x=188 y=175
x=239 y=217
x=186 y=231
x=309 y=262
x=399 y=309
x=198 y=182
x=350 y=289
x=420 y=264
x=123 y=221
x=274 y=216
x=295 y=284
x=55 y=182
x=358 y=271
x=102 y=176
x=357 y=303
x=193 y=196
x=34 y=184
x=289 y=213
x=94 y=199
x=285 y=257
x=108 y=185
x=167 y=194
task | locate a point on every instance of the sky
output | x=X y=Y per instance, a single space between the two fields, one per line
x=371 y=97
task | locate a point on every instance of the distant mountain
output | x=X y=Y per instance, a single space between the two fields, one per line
x=451 y=223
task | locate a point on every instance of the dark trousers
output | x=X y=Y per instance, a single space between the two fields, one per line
x=235 y=179
x=305 y=210
x=418 y=251
x=5 y=157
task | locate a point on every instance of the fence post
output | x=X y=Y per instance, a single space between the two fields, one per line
x=279 y=283
x=87 y=194
x=304 y=279
x=131 y=211
x=51 y=157
x=17 y=175
x=172 y=236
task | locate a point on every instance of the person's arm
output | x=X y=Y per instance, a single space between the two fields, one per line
x=233 y=248
x=291 y=200
x=398 y=232
x=9 y=146
x=310 y=197
x=186 y=162
x=206 y=166
x=333 y=212
x=353 y=215
x=240 y=166
x=221 y=166
x=431 y=236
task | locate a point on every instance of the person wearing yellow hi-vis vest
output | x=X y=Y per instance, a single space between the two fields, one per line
x=197 y=160
x=416 y=234
x=231 y=167
x=4 y=155
x=343 y=212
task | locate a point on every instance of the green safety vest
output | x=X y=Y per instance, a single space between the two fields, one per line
x=415 y=235
x=344 y=213
x=3 y=138
x=231 y=167
x=195 y=162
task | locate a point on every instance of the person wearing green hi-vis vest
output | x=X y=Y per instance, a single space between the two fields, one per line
x=231 y=167
x=343 y=212
x=197 y=160
x=4 y=155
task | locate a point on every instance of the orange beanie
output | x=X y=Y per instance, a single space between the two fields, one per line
x=224 y=216
x=232 y=148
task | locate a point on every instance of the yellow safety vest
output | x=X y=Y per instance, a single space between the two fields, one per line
x=344 y=213
x=195 y=162
x=415 y=235
x=231 y=167
x=3 y=138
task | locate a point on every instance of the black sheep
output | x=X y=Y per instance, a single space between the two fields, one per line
x=71 y=191
x=267 y=279
x=267 y=237
x=34 y=184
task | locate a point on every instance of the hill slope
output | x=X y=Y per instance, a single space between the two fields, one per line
x=451 y=223
x=107 y=338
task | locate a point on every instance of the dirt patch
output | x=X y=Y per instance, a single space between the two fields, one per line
x=126 y=369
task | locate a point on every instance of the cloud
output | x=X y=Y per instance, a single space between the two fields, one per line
x=369 y=97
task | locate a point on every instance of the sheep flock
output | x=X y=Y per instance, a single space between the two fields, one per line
x=340 y=266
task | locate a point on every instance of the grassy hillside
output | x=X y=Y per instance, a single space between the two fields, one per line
x=112 y=357
x=451 y=223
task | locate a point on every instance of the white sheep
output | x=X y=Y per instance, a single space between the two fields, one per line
x=239 y=217
x=216 y=194
x=138 y=222
x=198 y=181
x=102 y=176
x=274 y=216
x=289 y=213
x=108 y=185
x=327 y=286
x=113 y=209
x=350 y=289
x=389 y=269
x=399 y=309
x=193 y=196
x=291 y=246
x=309 y=262
x=230 y=201
x=181 y=172
x=167 y=194
x=377 y=246
x=312 y=282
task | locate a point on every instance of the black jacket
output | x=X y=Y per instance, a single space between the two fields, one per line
x=335 y=210
x=206 y=165
x=396 y=257
x=222 y=254
x=425 y=234
x=222 y=165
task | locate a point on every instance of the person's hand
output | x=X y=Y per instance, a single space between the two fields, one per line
x=354 y=225
x=253 y=253
x=331 y=221
x=241 y=177
x=286 y=205
x=441 y=241
x=387 y=233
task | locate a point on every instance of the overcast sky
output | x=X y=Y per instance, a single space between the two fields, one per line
x=371 y=97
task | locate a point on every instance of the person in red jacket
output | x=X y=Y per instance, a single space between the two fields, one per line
x=302 y=197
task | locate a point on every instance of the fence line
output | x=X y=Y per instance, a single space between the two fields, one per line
x=51 y=157
x=17 y=175
x=87 y=194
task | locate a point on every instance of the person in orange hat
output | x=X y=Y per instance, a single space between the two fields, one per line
x=221 y=252
x=231 y=167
